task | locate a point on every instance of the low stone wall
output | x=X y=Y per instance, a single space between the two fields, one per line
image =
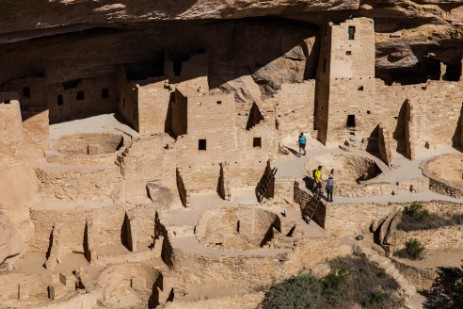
x=449 y=237
x=436 y=182
x=303 y=197
x=355 y=218
x=349 y=189
x=74 y=183
x=422 y=279
x=284 y=188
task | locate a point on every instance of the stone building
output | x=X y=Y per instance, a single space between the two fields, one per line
x=351 y=102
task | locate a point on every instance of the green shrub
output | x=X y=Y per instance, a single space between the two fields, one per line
x=415 y=218
x=352 y=280
x=447 y=289
x=413 y=250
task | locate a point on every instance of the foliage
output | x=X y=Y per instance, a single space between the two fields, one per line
x=413 y=250
x=447 y=289
x=352 y=280
x=415 y=218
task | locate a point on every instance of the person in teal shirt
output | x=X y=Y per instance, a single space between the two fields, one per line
x=301 y=142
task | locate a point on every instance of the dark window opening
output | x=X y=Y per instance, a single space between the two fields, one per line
x=202 y=144
x=71 y=84
x=7 y=101
x=351 y=32
x=257 y=142
x=26 y=92
x=351 y=121
x=324 y=65
x=219 y=102
x=452 y=72
x=60 y=100
x=80 y=96
x=360 y=88
x=105 y=93
x=348 y=53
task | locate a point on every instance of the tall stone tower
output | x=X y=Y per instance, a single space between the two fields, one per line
x=345 y=79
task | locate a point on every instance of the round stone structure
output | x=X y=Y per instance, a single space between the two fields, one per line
x=89 y=143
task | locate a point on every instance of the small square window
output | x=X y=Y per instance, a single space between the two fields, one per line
x=202 y=144
x=7 y=101
x=80 y=96
x=360 y=88
x=26 y=92
x=60 y=100
x=257 y=142
x=348 y=53
x=219 y=102
x=105 y=93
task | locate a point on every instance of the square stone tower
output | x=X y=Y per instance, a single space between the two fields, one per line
x=345 y=78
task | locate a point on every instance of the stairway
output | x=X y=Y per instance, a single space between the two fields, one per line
x=409 y=291
x=352 y=142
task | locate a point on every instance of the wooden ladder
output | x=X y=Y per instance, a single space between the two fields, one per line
x=263 y=189
x=309 y=210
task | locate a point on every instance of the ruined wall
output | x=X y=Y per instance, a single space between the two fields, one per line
x=153 y=106
x=179 y=114
x=106 y=228
x=127 y=100
x=11 y=129
x=32 y=91
x=303 y=197
x=244 y=174
x=95 y=182
x=295 y=107
x=138 y=168
x=355 y=218
x=19 y=289
x=200 y=178
x=81 y=98
x=384 y=144
x=436 y=108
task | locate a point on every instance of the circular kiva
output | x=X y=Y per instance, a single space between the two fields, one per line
x=89 y=143
x=347 y=168
x=446 y=174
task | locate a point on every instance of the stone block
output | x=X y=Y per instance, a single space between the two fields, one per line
x=69 y=281
x=56 y=291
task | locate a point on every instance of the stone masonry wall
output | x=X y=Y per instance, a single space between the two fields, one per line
x=153 y=106
x=96 y=182
x=11 y=130
x=92 y=103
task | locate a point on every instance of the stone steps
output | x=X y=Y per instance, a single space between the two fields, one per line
x=385 y=263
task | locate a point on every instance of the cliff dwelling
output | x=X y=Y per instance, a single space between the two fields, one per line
x=180 y=154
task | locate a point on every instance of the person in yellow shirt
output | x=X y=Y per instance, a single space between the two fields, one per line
x=318 y=179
